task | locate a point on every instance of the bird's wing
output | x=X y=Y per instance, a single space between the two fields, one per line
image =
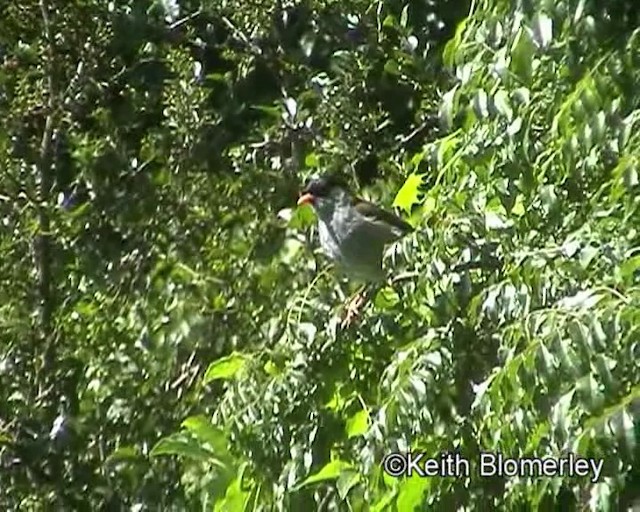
x=381 y=220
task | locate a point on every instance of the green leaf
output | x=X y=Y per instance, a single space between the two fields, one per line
x=543 y=30
x=330 y=471
x=391 y=67
x=235 y=499
x=347 y=481
x=522 y=54
x=386 y=298
x=409 y=193
x=389 y=21
x=123 y=453
x=179 y=444
x=404 y=16
x=411 y=492
x=501 y=103
x=272 y=369
x=267 y=109
x=585 y=299
x=311 y=160
x=302 y=217
x=629 y=268
x=448 y=106
x=358 y=423
x=452 y=47
x=208 y=433
x=480 y=104
x=225 y=368
x=384 y=503
x=518 y=206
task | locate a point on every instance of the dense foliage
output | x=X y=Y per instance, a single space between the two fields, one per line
x=169 y=335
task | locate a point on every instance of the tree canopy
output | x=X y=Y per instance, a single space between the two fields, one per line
x=170 y=334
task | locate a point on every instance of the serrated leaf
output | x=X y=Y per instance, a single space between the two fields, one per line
x=604 y=366
x=480 y=390
x=627 y=431
x=600 y=497
x=522 y=95
x=514 y=127
x=630 y=177
x=389 y=21
x=272 y=111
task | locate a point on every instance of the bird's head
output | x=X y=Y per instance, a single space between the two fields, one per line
x=324 y=192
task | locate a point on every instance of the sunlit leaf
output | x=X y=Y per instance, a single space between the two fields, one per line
x=182 y=446
x=543 y=30
x=358 y=423
x=330 y=471
x=225 y=368
x=347 y=481
x=409 y=193
x=411 y=492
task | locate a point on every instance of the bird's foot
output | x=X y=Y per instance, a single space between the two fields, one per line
x=352 y=309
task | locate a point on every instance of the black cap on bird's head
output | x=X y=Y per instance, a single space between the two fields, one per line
x=320 y=187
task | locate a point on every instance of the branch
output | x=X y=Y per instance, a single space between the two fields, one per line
x=186 y=19
x=44 y=169
x=256 y=50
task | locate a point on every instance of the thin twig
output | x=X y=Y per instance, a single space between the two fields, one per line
x=240 y=35
x=186 y=19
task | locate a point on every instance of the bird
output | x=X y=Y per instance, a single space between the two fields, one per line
x=353 y=232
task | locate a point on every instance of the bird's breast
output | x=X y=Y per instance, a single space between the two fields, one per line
x=329 y=241
x=356 y=253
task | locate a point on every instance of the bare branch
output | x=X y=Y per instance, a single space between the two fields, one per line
x=186 y=19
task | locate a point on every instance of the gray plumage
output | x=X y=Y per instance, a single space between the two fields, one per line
x=353 y=232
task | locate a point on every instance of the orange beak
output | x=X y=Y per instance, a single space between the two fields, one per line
x=306 y=199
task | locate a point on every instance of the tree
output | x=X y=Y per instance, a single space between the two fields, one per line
x=155 y=274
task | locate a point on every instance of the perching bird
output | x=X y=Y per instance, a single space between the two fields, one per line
x=353 y=232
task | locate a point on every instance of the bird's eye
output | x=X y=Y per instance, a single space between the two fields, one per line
x=317 y=187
